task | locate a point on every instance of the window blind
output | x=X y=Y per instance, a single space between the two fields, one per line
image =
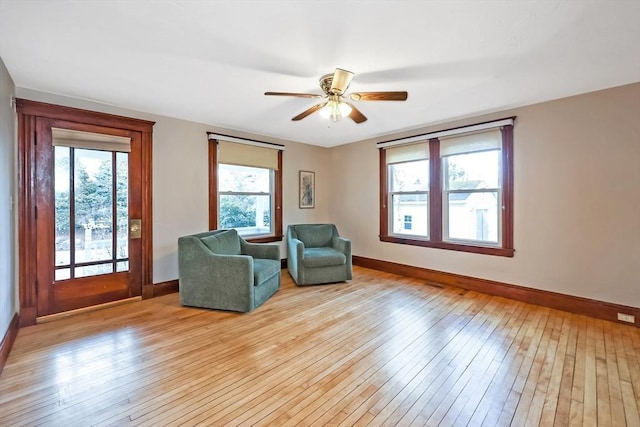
x=471 y=142
x=90 y=141
x=247 y=155
x=407 y=153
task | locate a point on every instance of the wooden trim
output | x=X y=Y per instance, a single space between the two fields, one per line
x=277 y=235
x=213 y=184
x=267 y=239
x=277 y=216
x=7 y=341
x=436 y=220
x=426 y=135
x=247 y=141
x=147 y=213
x=384 y=193
x=435 y=197
x=28 y=111
x=52 y=111
x=165 y=288
x=573 y=304
x=26 y=219
x=484 y=250
x=507 y=186
x=63 y=314
x=28 y=316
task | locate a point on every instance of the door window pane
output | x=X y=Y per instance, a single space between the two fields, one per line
x=93 y=270
x=122 y=206
x=63 y=274
x=93 y=179
x=62 y=206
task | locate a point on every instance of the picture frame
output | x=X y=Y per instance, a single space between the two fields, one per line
x=307 y=190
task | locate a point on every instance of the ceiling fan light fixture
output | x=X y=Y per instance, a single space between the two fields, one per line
x=335 y=110
x=340 y=81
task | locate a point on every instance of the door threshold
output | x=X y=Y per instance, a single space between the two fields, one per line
x=56 y=316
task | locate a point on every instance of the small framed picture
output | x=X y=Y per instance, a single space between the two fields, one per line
x=307 y=190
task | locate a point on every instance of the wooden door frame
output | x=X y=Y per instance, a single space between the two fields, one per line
x=28 y=111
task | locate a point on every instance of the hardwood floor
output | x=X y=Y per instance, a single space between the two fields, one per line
x=379 y=350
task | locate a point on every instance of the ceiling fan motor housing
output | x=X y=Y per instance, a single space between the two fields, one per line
x=325 y=83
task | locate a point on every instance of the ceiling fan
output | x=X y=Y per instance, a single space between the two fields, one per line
x=335 y=107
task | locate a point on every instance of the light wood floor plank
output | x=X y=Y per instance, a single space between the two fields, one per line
x=530 y=363
x=379 y=350
x=576 y=409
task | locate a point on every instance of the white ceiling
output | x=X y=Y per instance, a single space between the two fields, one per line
x=211 y=61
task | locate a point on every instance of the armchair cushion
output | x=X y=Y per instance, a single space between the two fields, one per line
x=224 y=243
x=323 y=257
x=316 y=235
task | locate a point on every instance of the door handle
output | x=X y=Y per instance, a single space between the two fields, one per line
x=135 y=228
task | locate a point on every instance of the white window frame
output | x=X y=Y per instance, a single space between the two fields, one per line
x=445 y=203
x=253 y=231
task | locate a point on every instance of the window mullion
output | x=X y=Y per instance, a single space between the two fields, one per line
x=72 y=212
x=435 y=191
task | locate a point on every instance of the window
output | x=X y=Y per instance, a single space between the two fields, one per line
x=471 y=176
x=450 y=190
x=407 y=222
x=245 y=199
x=408 y=169
x=245 y=189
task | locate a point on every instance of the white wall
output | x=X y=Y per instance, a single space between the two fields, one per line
x=180 y=179
x=8 y=283
x=577 y=200
x=577 y=197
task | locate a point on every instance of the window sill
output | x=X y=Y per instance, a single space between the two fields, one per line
x=263 y=239
x=485 y=250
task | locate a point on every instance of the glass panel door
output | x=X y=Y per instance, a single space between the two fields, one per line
x=91 y=212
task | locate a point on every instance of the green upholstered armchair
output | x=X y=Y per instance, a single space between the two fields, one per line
x=220 y=270
x=317 y=254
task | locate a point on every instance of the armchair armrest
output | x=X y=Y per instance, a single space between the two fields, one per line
x=342 y=244
x=260 y=250
x=204 y=271
x=296 y=249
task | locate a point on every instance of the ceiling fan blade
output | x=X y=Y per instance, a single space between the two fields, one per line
x=299 y=95
x=356 y=115
x=311 y=110
x=341 y=80
x=379 y=96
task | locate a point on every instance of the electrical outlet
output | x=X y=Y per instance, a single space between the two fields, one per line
x=630 y=318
